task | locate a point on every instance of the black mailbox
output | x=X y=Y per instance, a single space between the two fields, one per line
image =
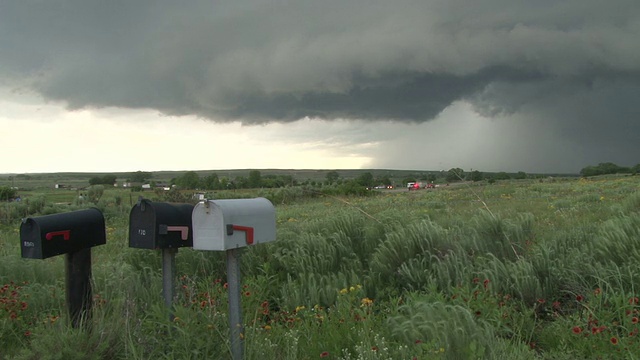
x=50 y=235
x=158 y=225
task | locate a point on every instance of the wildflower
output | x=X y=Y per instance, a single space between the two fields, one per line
x=486 y=282
x=633 y=301
x=576 y=329
x=324 y=354
x=27 y=333
x=226 y=285
x=418 y=341
x=597 y=291
x=634 y=320
x=343 y=291
x=374 y=348
x=579 y=298
x=476 y=280
x=264 y=304
x=366 y=302
x=267 y=327
x=300 y=308
x=247 y=293
x=614 y=340
x=556 y=305
x=541 y=301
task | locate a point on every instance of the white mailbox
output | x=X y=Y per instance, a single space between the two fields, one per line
x=233 y=223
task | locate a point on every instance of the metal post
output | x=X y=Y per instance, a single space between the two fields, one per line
x=78 y=286
x=168 y=275
x=235 y=315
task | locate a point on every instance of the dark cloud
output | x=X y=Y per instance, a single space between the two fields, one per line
x=571 y=66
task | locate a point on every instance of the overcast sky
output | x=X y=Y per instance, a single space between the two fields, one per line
x=494 y=85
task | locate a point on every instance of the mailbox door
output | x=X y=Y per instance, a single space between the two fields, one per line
x=142 y=226
x=208 y=227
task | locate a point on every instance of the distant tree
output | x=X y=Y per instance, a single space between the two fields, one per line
x=224 y=183
x=332 y=176
x=365 y=179
x=383 y=180
x=475 y=175
x=603 y=169
x=636 y=169
x=255 y=179
x=454 y=174
x=211 y=182
x=520 y=175
x=188 y=180
x=501 y=176
x=140 y=176
x=103 y=180
x=241 y=182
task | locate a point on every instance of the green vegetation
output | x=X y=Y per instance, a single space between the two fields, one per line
x=517 y=269
x=608 y=168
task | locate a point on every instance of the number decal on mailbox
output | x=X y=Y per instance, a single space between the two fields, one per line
x=142 y=232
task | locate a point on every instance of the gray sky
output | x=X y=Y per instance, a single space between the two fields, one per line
x=495 y=85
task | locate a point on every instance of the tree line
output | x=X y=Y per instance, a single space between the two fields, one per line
x=608 y=168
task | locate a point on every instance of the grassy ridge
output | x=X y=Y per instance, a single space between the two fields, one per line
x=518 y=270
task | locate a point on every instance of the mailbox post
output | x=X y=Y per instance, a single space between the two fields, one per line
x=230 y=225
x=72 y=233
x=164 y=226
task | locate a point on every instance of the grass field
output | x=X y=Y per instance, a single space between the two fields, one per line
x=530 y=269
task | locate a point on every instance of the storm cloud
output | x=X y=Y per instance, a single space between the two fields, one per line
x=569 y=67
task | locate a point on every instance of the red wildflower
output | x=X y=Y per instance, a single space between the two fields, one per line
x=226 y=285
x=248 y=293
x=576 y=329
x=579 y=298
x=614 y=340
x=27 y=333
x=486 y=283
x=374 y=348
x=324 y=354
x=541 y=301
x=476 y=280
x=418 y=341
x=556 y=305
x=597 y=291
x=633 y=301
x=634 y=320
